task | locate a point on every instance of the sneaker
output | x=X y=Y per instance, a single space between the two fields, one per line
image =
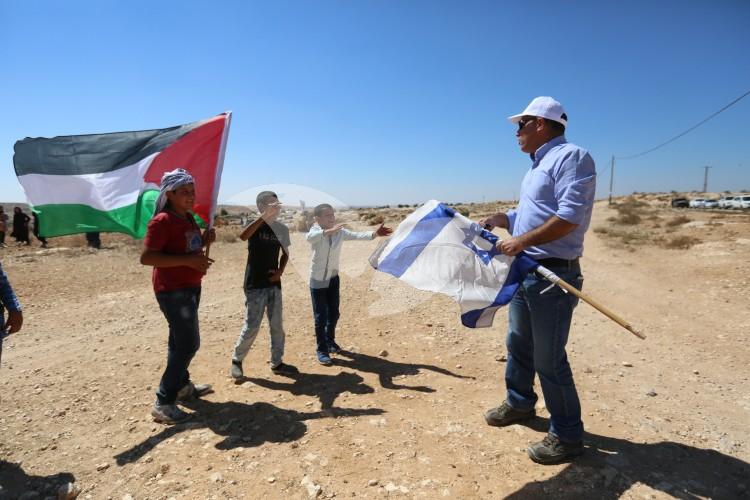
x=333 y=347
x=168 y=414
x=191 y=390
x=505 y=414
x=324 y=359
x=236 y=370
x=284 y=369
x=552 y=450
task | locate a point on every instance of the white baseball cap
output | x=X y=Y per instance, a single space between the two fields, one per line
x=544 y=107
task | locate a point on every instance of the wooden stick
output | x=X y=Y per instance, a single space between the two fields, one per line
x=553 y=278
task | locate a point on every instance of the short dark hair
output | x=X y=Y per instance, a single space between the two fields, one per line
x=263 y=196
x=318 y=211
x=557 y=127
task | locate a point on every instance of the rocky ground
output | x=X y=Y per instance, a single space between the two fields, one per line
x=401 y=413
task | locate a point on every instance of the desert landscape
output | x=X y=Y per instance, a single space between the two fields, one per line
x=401 y=411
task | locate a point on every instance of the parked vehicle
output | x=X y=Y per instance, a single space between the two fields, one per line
x=742 y=201
x=680 y=203
x=726 y=201
x=697 y=203
x=711 y=204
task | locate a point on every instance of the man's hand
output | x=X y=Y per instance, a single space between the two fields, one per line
x=199 y=262
x=511 y=246
x=383 y=231
x=497 y=220
x=14 y=323
x=274 y=275
x=333 y=230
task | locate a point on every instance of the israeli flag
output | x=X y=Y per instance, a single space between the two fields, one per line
x=437 y=249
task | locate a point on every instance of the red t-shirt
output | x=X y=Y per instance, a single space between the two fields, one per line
x=169 y=233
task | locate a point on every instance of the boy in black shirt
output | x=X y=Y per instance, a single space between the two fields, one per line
x=265 y=239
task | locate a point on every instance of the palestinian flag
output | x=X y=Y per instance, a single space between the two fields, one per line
x=110 y=182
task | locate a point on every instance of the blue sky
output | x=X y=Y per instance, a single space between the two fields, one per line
x=380 y=102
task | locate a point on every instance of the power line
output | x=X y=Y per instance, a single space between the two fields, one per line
x=688 y=130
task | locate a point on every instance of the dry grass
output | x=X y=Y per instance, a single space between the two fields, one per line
x=228 y=234
x=680 y=242
x=626 y=219
x=678 y=221
x=630 y=212
x=377 y=219
x=625 y=236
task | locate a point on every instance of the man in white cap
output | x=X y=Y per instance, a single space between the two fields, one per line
x=553 y=214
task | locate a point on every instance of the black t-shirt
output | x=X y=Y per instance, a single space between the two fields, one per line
x=263 y=249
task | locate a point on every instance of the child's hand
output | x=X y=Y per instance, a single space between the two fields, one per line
x=271 y=212
x=383 y=231
x=199 y=262
x=274 y=275
x=15 y=321
x=209 y=235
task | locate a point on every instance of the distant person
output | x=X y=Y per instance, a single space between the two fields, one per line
x=267 y=256
x=41 y=239
x=20 y=226
x=553 y=214
x=3 y=226
x=9 y=301
x=174 y=246
x=93 y=240
x=325 y=238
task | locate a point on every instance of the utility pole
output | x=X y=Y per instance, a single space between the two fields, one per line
x=705 y=179
x=611 y=178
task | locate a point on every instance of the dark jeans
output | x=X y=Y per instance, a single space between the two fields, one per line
x=537 y=334
x=325 y=302
x=180 y=307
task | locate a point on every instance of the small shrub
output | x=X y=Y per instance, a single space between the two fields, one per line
x=628 y=218
x=678 y=221
x=228 y=234
x=680 y=242
x=377 y=219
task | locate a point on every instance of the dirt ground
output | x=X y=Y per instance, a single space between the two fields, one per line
x=401 y=413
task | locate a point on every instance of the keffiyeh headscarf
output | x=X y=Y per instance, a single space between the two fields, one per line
x=169 y=182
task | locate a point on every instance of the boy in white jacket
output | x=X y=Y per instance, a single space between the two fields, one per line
x=326 y=238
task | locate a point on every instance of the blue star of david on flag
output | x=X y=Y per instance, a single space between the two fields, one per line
x=475 y=231
x=439 y=250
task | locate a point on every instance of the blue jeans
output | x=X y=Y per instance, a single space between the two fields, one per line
x=180 y=307
x=325 y=303
x=258 y=300
x=537 y=333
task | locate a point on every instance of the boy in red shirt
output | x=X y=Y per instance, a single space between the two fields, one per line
x=174 y=246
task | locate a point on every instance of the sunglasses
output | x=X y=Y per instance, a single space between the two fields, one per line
x=523 y=123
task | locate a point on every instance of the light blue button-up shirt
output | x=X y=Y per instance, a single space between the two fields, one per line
x=561 y=182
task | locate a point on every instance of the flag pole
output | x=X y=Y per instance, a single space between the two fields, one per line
x=555 y=279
